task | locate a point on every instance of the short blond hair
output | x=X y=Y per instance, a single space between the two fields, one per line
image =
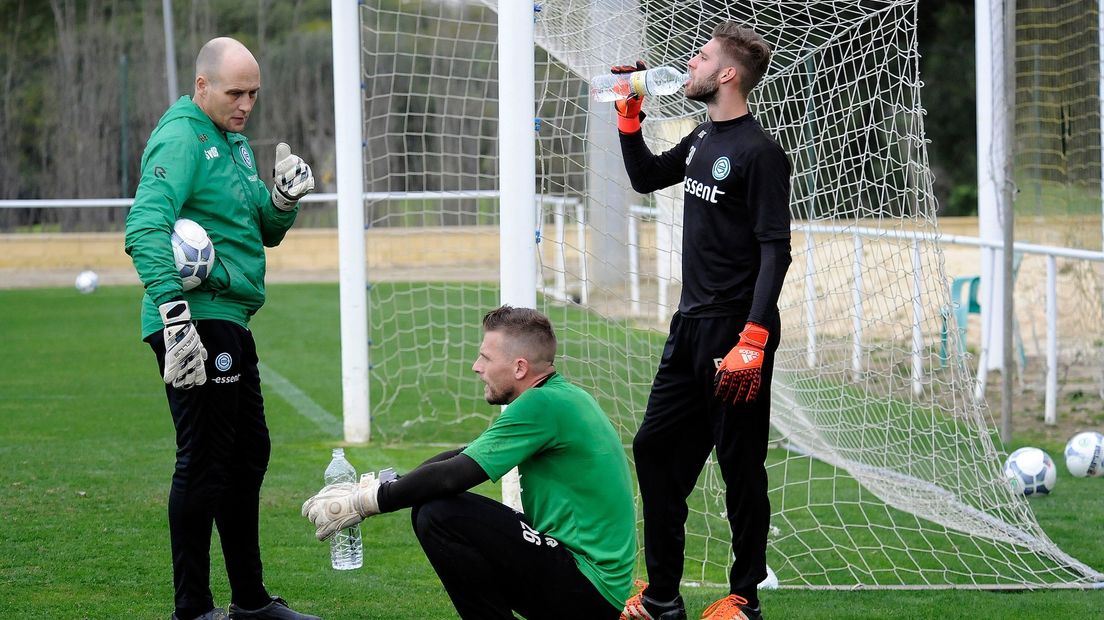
x=528 y=333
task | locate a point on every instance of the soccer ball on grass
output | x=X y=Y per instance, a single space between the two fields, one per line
x=87 y=281
x=1030 y=471
x=1084 y=453
x=193 y=251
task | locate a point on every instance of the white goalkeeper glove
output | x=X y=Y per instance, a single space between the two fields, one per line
x=292 y=178
x=342 y=505
x=184 y=352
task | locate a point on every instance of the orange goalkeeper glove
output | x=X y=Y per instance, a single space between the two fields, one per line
x=628 y=110
x=738 y=378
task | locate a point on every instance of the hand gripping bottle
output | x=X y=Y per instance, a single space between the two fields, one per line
x=658 y=81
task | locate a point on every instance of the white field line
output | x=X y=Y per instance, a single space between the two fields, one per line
x=298 y=399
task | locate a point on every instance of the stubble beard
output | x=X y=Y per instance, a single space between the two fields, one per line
x=706 y=92
x=504 y=397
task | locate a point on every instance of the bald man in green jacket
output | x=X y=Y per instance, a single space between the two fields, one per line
x=197 y=165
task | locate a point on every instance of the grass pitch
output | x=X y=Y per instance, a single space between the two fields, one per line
x=86 y=453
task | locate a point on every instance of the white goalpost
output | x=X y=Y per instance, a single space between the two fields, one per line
x=491 y=178
x=348 y=121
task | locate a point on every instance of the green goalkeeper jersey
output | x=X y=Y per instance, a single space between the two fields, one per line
x=194 y=170
x=575 y=480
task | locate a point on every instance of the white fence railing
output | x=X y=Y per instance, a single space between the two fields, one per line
x=126 y=202
x=562 y=207
x=1051 y=254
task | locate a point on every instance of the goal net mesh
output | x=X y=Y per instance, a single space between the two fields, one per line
x=1057 y=140
x=884 y=472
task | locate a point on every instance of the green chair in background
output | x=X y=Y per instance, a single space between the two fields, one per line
x=963 y=306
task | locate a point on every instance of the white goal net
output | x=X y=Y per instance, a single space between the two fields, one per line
x=883 y=470
x=1057 y=142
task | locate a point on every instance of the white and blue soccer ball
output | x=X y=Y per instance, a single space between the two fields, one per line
x=1084 y=452
x=1030 y=471
x=193 y=251
x=87 y=281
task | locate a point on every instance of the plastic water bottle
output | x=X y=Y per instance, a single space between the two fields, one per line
x=346 y=549
x=658 y=81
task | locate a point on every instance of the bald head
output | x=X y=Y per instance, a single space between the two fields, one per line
x=222 y=54
x=226 y=83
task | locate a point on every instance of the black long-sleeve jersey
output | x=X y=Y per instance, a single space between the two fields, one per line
x=446 y=474
x=736 y=214
x=449 y=473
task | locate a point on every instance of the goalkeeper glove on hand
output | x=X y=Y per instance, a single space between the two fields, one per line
x=738 y=378
x=184 y=352
x=342 y=505
x=628 y=110
x=292 y=178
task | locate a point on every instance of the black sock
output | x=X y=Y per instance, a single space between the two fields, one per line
x=671 y=604
x=752 y=599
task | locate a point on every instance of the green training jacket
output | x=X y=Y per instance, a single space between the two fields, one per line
x=192 y=169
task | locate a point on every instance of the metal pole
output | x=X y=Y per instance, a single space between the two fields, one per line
x=1008 y=214
x=917 y=321
x=352 y=272
x=1100 y=103
x=616 y=28
x=810 y=304
x=580 y=241
x=1050 y=415
x=857 y=319
x=517 y=169
x=517 y=154
x=170 y=50
x=560 y=279
x=124 y=135
x=991 y=146
x=634 y=263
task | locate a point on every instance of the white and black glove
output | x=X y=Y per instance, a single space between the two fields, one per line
x=292 y=178
x=184 y=352
x=342 y=505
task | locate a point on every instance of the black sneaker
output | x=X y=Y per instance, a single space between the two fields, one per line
x=217 y=613
x=640 y=607
x=276 y=610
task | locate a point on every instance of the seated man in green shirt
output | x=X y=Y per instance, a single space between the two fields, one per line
x=571 y=553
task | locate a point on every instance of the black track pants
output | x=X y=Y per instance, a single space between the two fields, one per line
x=682 y=424
x=492 y=563
x=222 y=451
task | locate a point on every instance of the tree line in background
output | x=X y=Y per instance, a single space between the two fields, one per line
x=82 y=83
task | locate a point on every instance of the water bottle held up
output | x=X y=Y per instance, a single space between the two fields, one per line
x=346 y=548
x=658 y=81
